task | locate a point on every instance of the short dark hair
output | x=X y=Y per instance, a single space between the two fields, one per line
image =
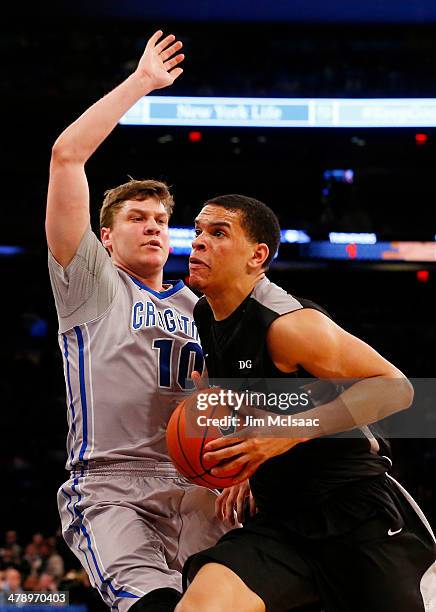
x=258 y=221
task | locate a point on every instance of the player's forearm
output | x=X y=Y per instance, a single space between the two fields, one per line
x=80 y=139
x=366 y=402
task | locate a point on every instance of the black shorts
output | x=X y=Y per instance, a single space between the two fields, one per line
x=365 y=550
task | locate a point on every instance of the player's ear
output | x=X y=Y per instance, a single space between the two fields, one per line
x=259 y=256
x=105 y=235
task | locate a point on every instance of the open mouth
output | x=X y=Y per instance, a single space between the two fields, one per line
x=196 y=263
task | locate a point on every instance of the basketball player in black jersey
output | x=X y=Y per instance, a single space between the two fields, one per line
x=331 y=526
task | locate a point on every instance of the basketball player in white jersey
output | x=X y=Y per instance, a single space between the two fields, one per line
x=129 y=343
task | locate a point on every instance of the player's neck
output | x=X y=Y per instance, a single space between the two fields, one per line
x=223 y=303
x=154 y=280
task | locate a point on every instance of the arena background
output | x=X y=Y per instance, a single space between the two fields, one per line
x=58 y=60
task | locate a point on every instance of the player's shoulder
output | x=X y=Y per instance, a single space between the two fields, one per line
x=274 y=298
x=179 y=286
x=175 y=290
x=190 y=296
x=309 y=304
x=278 y=300
x=178 y=295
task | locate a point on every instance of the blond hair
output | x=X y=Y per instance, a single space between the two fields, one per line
x=133 y=190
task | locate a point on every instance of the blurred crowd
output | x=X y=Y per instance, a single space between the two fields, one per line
x=36 y=565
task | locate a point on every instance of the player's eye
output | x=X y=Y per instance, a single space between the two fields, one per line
x=218 y=233
x=197 y=232
x=136 y=218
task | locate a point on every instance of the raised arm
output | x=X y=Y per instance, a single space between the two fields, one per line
x=67 y=214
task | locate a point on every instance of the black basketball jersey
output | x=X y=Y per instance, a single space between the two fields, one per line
x=236 y=348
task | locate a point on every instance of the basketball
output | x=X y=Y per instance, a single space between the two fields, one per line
x=187 y=435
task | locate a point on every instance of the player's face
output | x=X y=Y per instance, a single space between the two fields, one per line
x=220 y=251
x=139 y=238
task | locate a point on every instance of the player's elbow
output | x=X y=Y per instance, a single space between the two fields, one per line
x=408 y=393
x=403 y=392
x=62 y=154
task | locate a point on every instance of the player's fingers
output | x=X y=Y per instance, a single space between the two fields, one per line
x=224 y=505
x=229 y=510
x=241 y=477
x=198 y=380
x=248 y=472
x=214 y=445
x=171 y=63
x=219 y=502
x=240 y=503
x=223 y=469
x=175 y=73
x=165 y=42
x=225 y=453
x=167 y=53
x=252 y=505
x=153 y=39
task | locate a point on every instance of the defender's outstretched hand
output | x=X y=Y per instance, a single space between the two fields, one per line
x=159 y=64
x=68 y=193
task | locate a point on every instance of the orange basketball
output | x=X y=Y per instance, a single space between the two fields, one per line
x=190 y=429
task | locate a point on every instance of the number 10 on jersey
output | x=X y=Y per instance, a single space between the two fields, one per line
x=189 y=358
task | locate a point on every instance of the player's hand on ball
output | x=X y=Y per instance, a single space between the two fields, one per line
x=159 y=64
x=233 y=499
x=200 y=380
x=248 y=453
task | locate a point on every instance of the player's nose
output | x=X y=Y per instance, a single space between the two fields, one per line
x=151 y=226
x=199 y=243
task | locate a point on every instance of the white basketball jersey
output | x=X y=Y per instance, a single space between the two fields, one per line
x=127 y=352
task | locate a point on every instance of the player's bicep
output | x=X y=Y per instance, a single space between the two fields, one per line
x=339 y=354
x=309 y=339
x=67 y=215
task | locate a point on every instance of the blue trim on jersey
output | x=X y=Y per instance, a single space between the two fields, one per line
x=104 y=594
x=104 y=581
x=178 y=284
x=68 y=497
x=77 y=529
x=82 y=392
x=70 y=394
